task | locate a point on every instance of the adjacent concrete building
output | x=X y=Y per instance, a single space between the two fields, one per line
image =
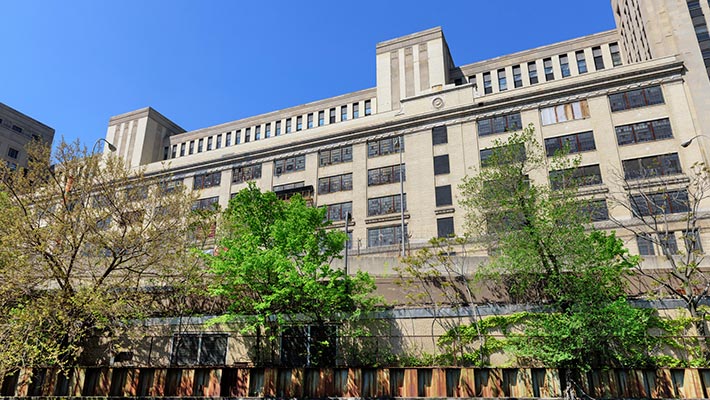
x=621 y=99
x=16 y=130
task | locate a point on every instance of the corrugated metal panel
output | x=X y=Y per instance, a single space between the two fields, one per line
x=383 y=383
x=354 y=382
x=340 y=382
x=367 y=382
x=396 y=382
x=409 y=383
x=269 y=389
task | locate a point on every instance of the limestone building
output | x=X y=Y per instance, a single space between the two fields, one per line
x=622 y=99
x=16 y=130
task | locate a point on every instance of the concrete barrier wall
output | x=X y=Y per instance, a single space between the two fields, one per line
x=352 y=382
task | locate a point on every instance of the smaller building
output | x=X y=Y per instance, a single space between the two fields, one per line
x=16 y=130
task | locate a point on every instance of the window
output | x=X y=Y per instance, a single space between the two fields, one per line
x=209 y=143
x=615 y=54
x=337 y=183
x=343 y=113
x=331 y=116
x=385 y=205
x=643 y=132
x=645 y=245
x=247 y=135
x=321 y=118
x=246 y=173
x=288 y=165
x=386 y=146
x=576 y=142
x=514 y=152
x=299 y=123
x=218 y=143
x=199 y=349
x=339 y=212
x=439 y=135
x=209 y=203
x=636 y=98
x=581 y=62
x=309 y=121
x=267 y=130
x=564 y=65
x=368 y=107
x=532 y=72
x=16 y=128
x=182 y=149
x=204 y=181
x=335 y=156
x=441 y=165
x=487 y=85
x=502 y=82
x=257 y=132
x=549 y=73
x=308 y=345
x=287 y=186
x=517 y=76
x=445 y=227
x=659 y=203
x=192 y=146
x=499 y=124
x=277 y=131
x=228 y=139
x=173 y=153
x=385 y=175
x=598 y=58
x=596 y=210
x=587 y=175
x=385 y=236
x=13 y=153
x=288 y=125
x=691 y=239
x=356 y=110
x=648 y=167
x=200 y=145
x=564 y=112
x=669 y=246
x=166 y=151
x=443 y=196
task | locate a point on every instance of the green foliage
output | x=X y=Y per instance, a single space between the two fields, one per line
x=545 y=251
x=273 y=264
x=80 y=235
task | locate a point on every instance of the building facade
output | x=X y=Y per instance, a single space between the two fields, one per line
x=16 y=130
x=622 y=100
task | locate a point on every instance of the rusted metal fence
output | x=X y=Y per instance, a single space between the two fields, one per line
x=352 y=382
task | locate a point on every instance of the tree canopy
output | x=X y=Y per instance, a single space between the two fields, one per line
x=273 y=263
x=84 y=242
x=545 y=250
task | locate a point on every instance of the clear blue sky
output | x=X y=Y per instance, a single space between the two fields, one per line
x=74 y=64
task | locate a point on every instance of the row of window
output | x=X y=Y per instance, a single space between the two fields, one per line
x=14 y=127
x=575 y=110
x=215 y=142
x=548 y=69
x=668 y=243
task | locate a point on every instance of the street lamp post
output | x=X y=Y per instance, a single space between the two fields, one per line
x=111 y=147
x=689 y=141
x=402 y=238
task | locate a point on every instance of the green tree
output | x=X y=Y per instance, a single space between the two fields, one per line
x=672 y=206
x=81 y=236
x=273 y=265
x=545 y=251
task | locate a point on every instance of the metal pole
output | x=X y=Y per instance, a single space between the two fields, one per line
x=347 y=240
x=401 y=192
